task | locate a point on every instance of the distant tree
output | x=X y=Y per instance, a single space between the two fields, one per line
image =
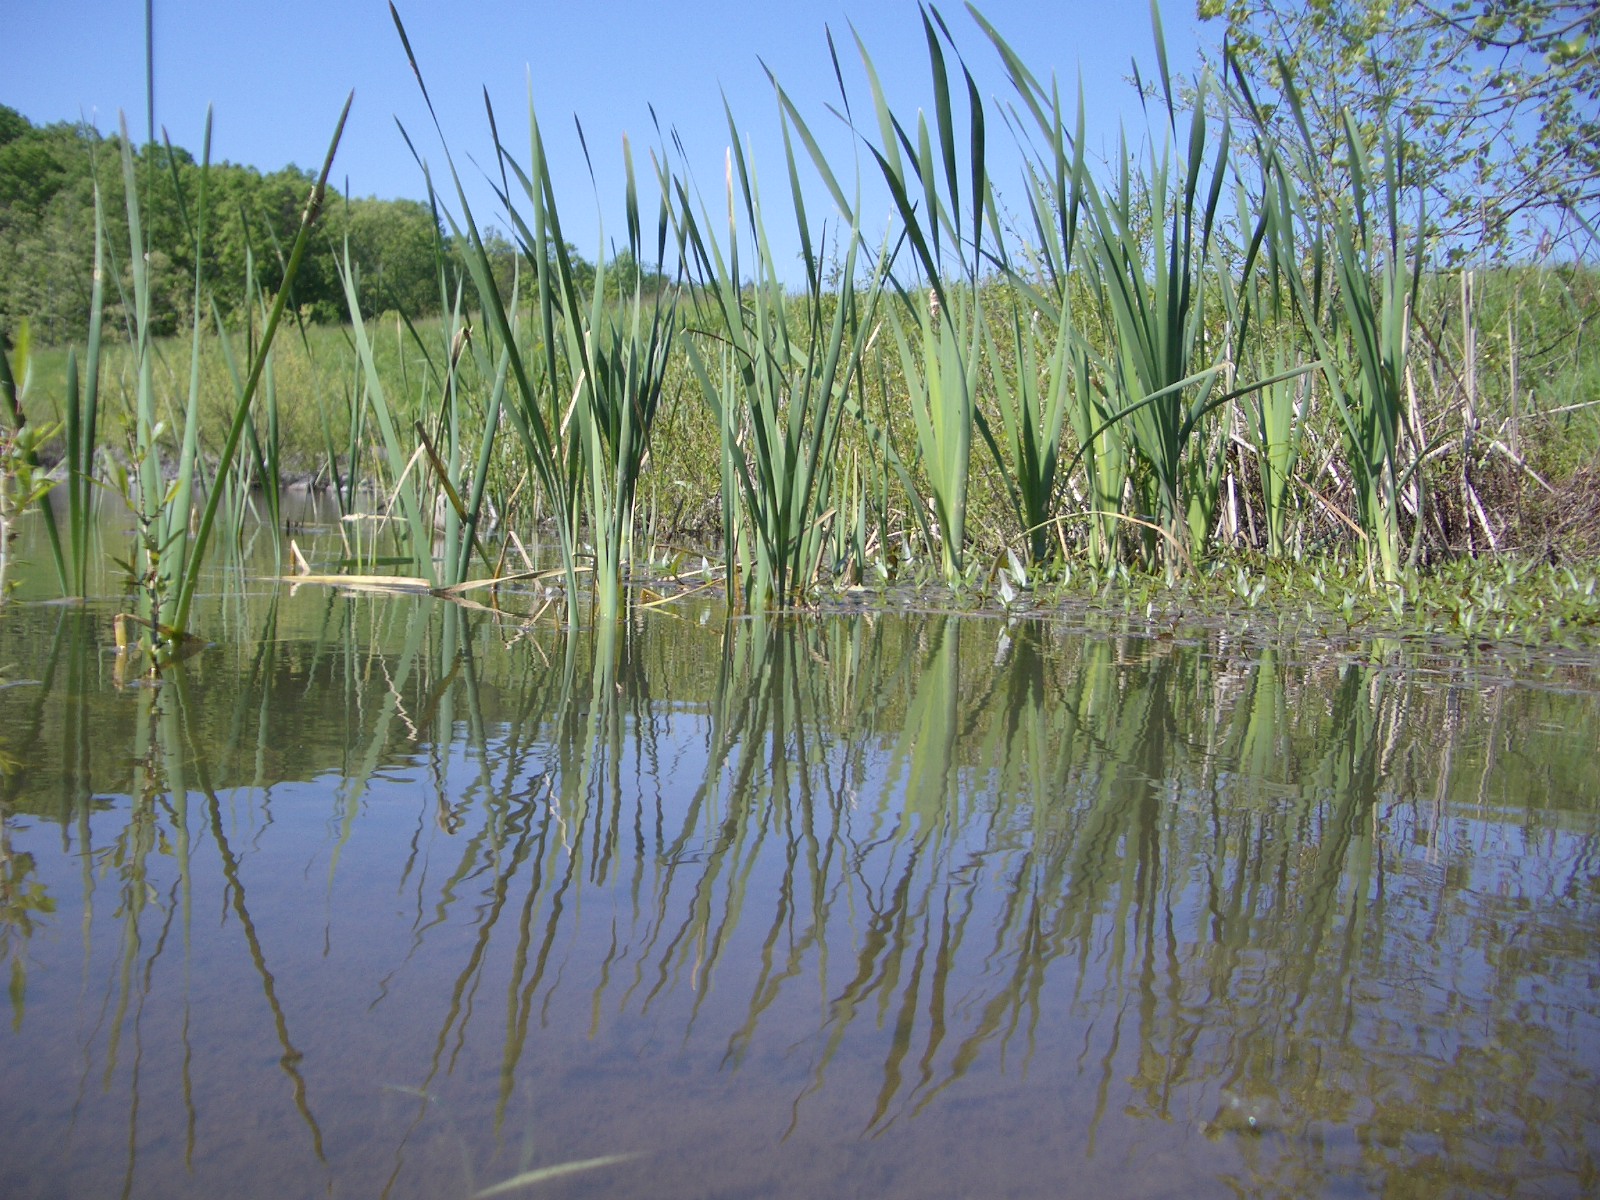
x=394 y=243
x=624 y=273
x=503 y=263
x=1499 y=101
x=46 y=208
x=48 y=180
x=12 y=124
x=32 y=169
x=583 y=271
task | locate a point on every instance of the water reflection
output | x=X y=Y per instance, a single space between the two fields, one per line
x=391 y=897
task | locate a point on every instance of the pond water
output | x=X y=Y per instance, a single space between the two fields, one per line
x=388 y=896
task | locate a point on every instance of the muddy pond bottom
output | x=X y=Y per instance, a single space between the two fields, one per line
x=384 y=897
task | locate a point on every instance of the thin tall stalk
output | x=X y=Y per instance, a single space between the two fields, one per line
x=83 y=417
x=787 y=371
x=142 y=485
x=939 y=331
x=533 y=410
x=190 y=578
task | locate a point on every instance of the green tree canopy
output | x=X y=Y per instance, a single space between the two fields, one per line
x=1498 y=99
x=12 y=124
x=48 y=179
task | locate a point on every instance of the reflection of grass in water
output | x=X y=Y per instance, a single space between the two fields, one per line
x=1103 y=726
x=527 y=1178
x=995 y=816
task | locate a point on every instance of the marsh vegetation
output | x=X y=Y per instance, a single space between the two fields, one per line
x=1088 y=686
x=1189 y=363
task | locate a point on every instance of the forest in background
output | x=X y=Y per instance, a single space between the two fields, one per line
x=48 y=180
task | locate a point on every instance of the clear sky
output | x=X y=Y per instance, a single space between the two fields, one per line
x=277 y=73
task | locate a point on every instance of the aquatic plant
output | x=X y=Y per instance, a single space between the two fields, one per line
x=584 y=413
x=168 y=559
x=22 y=483
x=1174 y=362
x=784 y=376
x=1378 y=281
x=938 y=325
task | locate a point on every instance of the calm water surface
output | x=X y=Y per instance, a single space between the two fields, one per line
x=388 y=897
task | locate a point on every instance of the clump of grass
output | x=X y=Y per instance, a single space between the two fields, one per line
x=1174 y=366
x=778 y=376
x=166 y=560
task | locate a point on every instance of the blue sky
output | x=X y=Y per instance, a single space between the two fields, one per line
x=277 y=74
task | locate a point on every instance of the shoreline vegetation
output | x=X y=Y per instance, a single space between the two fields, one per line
x=1197 y=379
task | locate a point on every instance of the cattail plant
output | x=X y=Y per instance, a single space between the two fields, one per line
x=781 y=381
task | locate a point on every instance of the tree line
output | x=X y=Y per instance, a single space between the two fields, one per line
x=49 y=177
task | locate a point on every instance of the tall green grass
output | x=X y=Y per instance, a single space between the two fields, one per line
x=1378 y=289
x=938 y=324
x=1169 y=360
x=780 y=375
x=587 y=389
x=1375 y=259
